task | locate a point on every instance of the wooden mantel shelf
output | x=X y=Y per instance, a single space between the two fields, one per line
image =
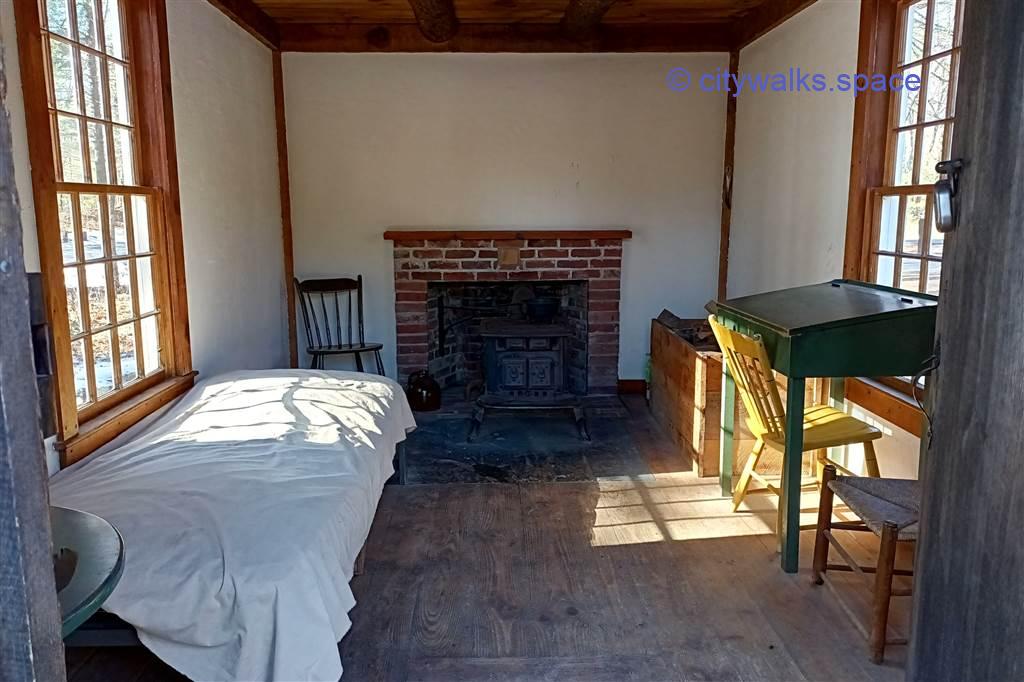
x=398 y=235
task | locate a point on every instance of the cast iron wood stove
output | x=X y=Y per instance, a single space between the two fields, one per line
x=525 y=368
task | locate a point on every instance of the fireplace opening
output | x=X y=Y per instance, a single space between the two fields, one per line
x=463 y=318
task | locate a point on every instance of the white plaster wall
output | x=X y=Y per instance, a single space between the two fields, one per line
x=15 y=102
x=792 y=164
x=500 y=141
x=222 y=83
x=792 y=179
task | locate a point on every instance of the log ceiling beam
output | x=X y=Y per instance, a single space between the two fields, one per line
x=436 y=19
x=765 y=17
x=710 y=37
x=249 y=16
x=582 y=17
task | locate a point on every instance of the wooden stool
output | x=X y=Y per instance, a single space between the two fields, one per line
x=887 y=507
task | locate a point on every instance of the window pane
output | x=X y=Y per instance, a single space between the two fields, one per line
x=58 y=18
x=903 y=168
x=67 y=227
x=937 y=242
x=112 y=28
x=943 y=21
x=103 y=365
x=118 y=78
x=99 y=152
x=70 y=148
x=910 y=274
x=65 y=76
x=123 y=156
x=92 y=85
x=144 y=271
x=140 y=223
x=118 y=226
x=81 y=379
x=886 y=269
x=932 y=149
x=910 y=99
x=914 y=30
x=887 y=227
x=934 y=278
x=937 y=98
x=92 y=226
x=913 y=223
x=150 y=346
x=954 y=81
x=129 y=364
x=74 y=298
x=88 y=31
x=96 y=284
x=123 y=291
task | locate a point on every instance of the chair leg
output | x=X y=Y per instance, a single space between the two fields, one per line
x=380 y=363
x=820 y=461
x=314 y=361
x=824 y=525
x=359 y=362
x=870 y=462
x=748 y=469
x=883 y=590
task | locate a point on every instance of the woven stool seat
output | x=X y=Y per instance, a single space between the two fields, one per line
x=877 y=500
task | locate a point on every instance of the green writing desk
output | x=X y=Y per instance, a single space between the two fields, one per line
x=837 y=329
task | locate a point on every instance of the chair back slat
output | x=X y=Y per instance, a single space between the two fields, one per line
x=328 y=320
x=748 y=362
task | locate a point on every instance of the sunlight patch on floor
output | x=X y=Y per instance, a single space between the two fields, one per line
x=673 y=507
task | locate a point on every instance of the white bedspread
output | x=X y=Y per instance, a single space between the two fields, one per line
x=242 y=511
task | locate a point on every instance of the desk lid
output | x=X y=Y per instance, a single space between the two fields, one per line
x=838 y=303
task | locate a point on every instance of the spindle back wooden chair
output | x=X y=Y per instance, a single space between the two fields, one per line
x=332 y=326
x=747 y=360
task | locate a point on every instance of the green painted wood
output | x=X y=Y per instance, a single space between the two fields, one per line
x=789 y=504
x=100 y=553
x=725 y=443
x=835 y=329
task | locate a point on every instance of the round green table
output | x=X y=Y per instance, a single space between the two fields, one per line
x=89 y=559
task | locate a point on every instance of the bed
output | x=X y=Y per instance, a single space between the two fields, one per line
x=243 y=509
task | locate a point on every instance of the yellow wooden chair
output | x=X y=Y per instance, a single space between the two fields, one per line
x=824 y=426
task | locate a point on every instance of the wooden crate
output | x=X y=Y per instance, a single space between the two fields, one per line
x=686 y=395
x=686 y=400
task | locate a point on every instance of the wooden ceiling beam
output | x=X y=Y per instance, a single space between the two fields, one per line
x=765 y=17
x=249 y=16
x=706 y=37
x=436 y=19
x=582 y=17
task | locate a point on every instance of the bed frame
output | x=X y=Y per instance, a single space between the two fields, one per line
x=107 y=630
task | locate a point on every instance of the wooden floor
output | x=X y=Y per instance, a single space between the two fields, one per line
x=625 y=578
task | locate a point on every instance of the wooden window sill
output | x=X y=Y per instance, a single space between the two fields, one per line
x=887 y=403
x=104 y=427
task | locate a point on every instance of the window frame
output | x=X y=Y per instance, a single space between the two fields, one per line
x=875 y=114
x=144 y=22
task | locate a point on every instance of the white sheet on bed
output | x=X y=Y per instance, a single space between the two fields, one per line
x=242 y=511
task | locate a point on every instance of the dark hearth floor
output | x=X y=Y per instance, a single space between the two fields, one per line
x=521 y=446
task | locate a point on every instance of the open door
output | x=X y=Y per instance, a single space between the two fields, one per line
x=968 y=614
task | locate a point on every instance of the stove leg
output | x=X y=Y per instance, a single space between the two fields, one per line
x=476 y=423
x=581 y=422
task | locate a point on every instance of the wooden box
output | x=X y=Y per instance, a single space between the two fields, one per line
x=686 y=396
x=686 y=390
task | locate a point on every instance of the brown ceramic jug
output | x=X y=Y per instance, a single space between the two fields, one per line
x=423 y=391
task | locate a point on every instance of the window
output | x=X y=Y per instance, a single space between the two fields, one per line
x=108 y=243
x=905 y=249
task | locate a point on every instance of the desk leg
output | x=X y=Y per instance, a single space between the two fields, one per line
x=789 y=504
x=728 y=425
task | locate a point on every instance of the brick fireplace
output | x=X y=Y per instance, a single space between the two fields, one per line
x=584 y=267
